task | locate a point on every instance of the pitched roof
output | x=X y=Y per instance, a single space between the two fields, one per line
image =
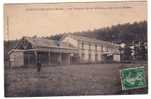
x=88 y=39
x=42 y=42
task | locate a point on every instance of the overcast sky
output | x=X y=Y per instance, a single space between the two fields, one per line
x=50 y=19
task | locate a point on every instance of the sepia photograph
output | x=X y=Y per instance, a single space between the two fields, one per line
x=75 y=48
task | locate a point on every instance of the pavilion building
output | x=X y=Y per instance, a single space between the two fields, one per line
x=69 y=49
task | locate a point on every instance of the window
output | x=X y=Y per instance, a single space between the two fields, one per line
x=96 y=57
x=82 y=45
x=96 y=47
x=78 y=43
x=89 y=56
x=89 y=46
x=102 y=48
x=82 y=55
x=107 y=49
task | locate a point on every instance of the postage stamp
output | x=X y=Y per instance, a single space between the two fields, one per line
x=132 y=78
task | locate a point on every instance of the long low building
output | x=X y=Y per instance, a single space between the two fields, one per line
x=69 y=49
x=91 y=50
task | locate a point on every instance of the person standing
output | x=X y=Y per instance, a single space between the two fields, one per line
x=38 y=66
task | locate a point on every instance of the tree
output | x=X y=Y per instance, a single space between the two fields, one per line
x=127 y=53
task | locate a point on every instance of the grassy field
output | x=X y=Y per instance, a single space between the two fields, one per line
x=85 y=79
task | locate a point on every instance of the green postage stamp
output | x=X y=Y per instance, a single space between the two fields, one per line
x=132 y=78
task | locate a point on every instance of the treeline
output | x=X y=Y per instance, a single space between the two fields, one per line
x=121 y=33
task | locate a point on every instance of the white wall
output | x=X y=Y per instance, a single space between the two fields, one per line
x=116 y=58
x=85 y=50
x=16 y=59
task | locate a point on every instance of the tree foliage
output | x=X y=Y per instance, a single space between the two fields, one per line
x=126 y=33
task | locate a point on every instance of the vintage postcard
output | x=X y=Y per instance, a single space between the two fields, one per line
x=70 y=49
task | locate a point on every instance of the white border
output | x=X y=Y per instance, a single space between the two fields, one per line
x=72 y=97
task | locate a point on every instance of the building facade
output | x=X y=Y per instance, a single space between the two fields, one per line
x=93 y=50
x=29 y=51
x=69 y=49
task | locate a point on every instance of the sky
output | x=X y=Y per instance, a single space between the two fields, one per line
x=51 y=19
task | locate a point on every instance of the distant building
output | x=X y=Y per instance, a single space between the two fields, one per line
x=92 y=50
x=69 y=49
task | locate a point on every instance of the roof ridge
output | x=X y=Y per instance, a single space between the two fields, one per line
x=97 y=40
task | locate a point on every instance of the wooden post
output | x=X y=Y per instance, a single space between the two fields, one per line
x=36 y=56
x=68 y=58
x=60 y=58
